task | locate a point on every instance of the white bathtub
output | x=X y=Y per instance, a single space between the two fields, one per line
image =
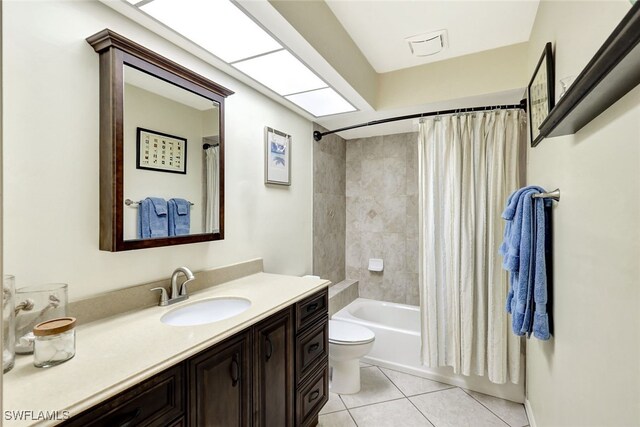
x=398 y=344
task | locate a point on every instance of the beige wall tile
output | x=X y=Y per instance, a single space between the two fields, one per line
x=372 y=176
x=382 y=215
x=394 y=173
x=372 y=148
x=329 y=207
x=394 y=213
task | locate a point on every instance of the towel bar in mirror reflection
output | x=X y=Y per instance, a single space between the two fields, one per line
x=133 y=204
x=179 y=112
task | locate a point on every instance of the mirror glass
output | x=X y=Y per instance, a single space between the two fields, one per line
x=171 y=144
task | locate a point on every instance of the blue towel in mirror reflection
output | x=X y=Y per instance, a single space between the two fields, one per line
x=179 y=217
x=153 y=219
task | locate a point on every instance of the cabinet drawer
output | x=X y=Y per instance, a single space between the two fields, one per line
x=154 y=402
x=311 y=348
x=310 y=309
x=312 y=396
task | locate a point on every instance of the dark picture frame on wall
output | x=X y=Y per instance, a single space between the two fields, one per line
x=540 y=93
x=161 y=152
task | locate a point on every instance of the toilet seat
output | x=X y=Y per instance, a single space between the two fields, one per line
x=347 y=333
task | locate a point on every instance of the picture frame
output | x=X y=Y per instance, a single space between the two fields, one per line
x=540 y=93
x=161 y=152
x=277 y=157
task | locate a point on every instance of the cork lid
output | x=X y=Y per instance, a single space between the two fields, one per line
x=54 y=326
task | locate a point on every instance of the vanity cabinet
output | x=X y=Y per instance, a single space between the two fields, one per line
x=220 y=384
x=272 y=374
x=273 y=371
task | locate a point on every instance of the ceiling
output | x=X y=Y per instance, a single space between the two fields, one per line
x=379 y=28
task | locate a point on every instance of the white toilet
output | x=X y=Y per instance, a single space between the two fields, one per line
x=348 y=343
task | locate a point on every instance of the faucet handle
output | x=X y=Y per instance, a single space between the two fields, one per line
x=164 y=297
x=183 y=287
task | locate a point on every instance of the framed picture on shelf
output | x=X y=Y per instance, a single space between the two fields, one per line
x=541 y=94
x=277 y=157
x=161 y=152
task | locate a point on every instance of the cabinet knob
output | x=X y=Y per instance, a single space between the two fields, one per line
x=313 y=347
x=312 y=307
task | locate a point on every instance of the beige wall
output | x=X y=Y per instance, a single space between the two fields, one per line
x=329 y=156
x=588 y=374
x=382 y=216
x=1 y=192
x=483 y=73
x=51 y=187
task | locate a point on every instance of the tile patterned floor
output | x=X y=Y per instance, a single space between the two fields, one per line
x=391 y=398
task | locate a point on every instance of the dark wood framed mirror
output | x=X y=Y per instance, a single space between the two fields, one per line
x=161 y=149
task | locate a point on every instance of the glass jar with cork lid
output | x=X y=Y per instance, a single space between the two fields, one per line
x=55 y=342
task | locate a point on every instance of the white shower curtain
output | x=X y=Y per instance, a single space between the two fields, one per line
x=468 y=166
x=212 y=187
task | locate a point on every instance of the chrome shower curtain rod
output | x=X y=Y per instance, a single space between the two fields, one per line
x=522 y=105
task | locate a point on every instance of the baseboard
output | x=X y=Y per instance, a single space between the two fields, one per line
x=507 y=391
x=529 y=411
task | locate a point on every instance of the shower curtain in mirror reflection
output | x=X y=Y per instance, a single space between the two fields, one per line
x=212 y=185
x=468 y=166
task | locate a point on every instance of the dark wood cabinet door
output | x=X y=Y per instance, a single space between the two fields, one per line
x=220 y=384
x=273 y=388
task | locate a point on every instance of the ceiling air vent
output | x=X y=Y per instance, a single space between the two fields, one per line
x=429 y=43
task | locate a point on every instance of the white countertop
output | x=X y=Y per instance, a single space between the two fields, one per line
x=118 y=352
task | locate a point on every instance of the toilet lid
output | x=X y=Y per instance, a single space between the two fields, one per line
x=349 y=333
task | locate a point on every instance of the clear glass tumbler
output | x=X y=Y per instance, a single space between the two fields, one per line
x=8 y=323
x=35 y=304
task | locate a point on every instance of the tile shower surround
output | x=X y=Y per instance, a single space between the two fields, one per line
x=329 y=207
x=382 y=215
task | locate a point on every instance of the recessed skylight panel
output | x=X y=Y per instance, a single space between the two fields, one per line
x=281 y=72
x=216 y=25
x=322 y=102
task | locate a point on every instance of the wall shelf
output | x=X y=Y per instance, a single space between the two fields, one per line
x=611 y=73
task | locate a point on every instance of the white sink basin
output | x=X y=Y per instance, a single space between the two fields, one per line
x=206 y=311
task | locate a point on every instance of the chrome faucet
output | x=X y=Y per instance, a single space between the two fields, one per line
x=175 y=295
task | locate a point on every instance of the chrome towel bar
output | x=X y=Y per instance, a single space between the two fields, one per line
x=555 y=195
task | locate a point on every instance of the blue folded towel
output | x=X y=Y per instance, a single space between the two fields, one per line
x=152 y=218
x=523 y=251
x=179 y=217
